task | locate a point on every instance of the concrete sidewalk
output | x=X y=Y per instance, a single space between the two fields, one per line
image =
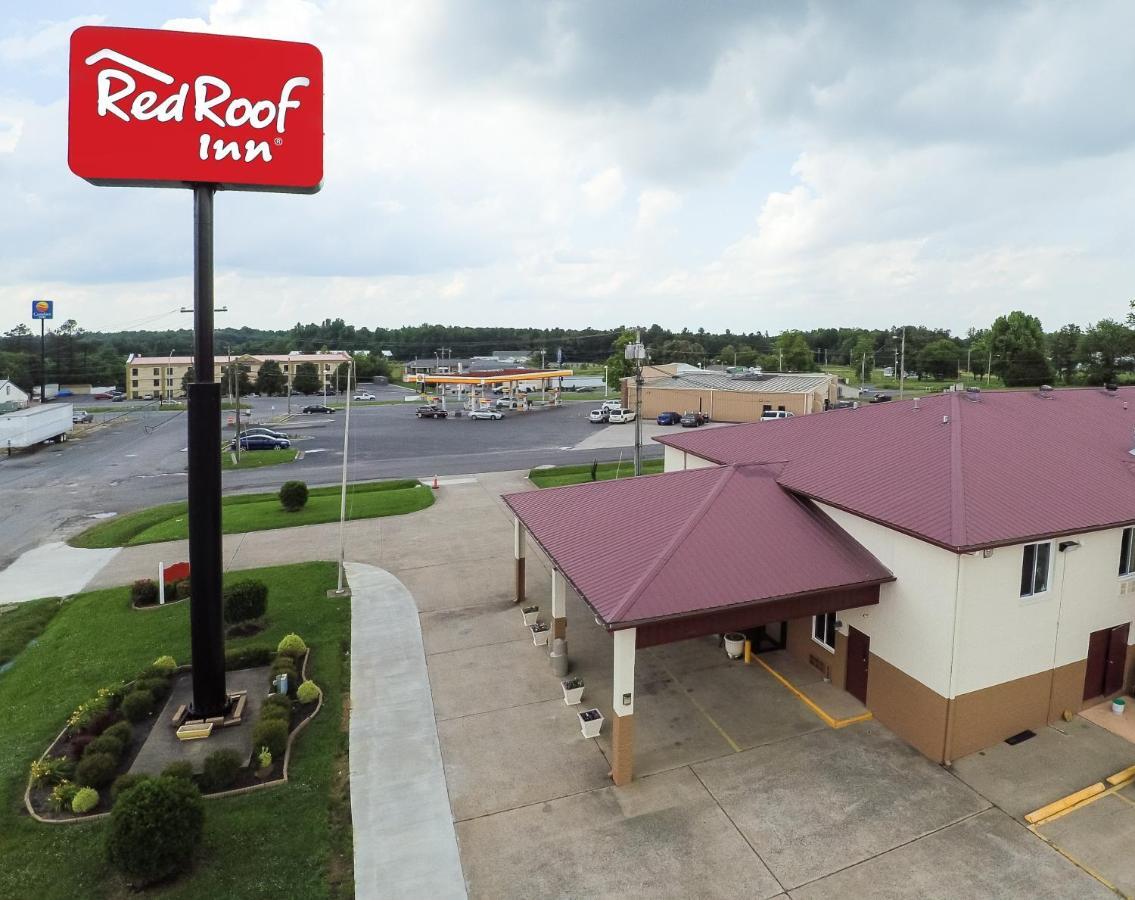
x=405 y=844
x=53 y=570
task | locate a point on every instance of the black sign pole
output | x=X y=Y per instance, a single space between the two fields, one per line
x=206 y=626
x=42 y=364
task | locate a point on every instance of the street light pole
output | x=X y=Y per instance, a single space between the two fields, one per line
x=339 y=589
x=169 y=378
x=902 y=364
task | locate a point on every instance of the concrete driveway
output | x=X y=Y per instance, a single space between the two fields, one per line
x=739 y=787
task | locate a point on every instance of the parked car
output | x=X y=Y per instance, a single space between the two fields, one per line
x=506 y=403
x=318 y=408
x=252 y=396
x=693 y=419
x=147 y=396
x=770 y=414
x=431 y=412
x=81 y=417
x=117 y=398
x=364 y=396
x=270 y=432
x=880 y=398
x=260 y=442
x=619 y=416
x=486 y=414
x=103 y=395
x=599 y=415
x=669 y=418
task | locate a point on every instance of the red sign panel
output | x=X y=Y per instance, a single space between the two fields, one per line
x=172 y=108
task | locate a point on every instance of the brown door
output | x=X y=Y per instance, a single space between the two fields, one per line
x=858 y=650
x=1107 y=658
x=1116 y=659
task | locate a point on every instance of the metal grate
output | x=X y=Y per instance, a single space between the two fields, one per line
x=1019 y=737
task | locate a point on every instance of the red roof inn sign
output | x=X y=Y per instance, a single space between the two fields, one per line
x=170 y=108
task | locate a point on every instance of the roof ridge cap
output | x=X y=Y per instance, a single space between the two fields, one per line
x=957 y=475
x=649 y=575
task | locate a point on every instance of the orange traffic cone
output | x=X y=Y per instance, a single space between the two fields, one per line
x=435 y=483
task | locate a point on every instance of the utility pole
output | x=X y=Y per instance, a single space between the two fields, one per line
x=780 y=358
x=862 y=369
x=234 y=388
x=902 y=364
x=969 y=351
x=636 y=352
x=340 y=590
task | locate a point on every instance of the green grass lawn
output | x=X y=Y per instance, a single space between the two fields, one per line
x=284 y=842
x=259 y=512
x=558 y=476
x=23 y=622
x=912 y=385
x=257 y=459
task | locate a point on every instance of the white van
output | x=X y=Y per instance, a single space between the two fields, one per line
x=610 y=404
x=619 y=416
x=769 y=414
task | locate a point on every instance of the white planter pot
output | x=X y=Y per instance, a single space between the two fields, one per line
x=590 y=722
x=530 y=613
x=735 y=645
x=540 y=633
x=572 y=695
x=1118 y=706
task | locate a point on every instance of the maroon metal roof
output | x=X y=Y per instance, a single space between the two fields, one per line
x=645 y=549
x=1008 y=467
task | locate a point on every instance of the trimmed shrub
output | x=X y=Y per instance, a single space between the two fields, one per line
x=179 y=769
x=87 y=713
x=158 y=687
x=284 y=666
x=221 y=770
x=51 y=770
x=143 y=592
x=165 y=664
x=62 y=795
x=122 y=732
x=275 y=712
x=155 y=828
x=84 y=801
x=292 y=645
x=105 y=743
x=264 y=758
x=181 y=589
x=96 y=770
x=245 y=600
x=308 y=692
x=283 y=701
x=151 y=672
x=137 y=705
x=123 y=783
x=293 y=495
x=248 y=658
x=273 y=734
x=79 y=745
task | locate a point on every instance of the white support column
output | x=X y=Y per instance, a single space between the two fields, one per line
x=622 y=704
x=519 y=544
x=559 y=613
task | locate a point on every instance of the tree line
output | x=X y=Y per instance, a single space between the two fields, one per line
x=1015 y=347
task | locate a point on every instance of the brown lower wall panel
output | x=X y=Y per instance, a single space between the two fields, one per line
x=907 y=707
x=832 y=666
x=982 y=718
x=1067 y=689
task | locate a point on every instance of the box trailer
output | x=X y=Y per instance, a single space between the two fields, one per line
x=36 y=425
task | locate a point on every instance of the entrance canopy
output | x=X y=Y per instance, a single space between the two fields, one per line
x=697 y=552
x=491 y=377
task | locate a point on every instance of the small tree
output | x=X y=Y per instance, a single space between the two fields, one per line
x=306 y=379
x=155 y=828
x=293 y=495
x=270 y=380
x=245 y=600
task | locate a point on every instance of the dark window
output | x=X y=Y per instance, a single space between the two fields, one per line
x=157 y=371
x=823 y=629
x=780 y=409
x=133 y=371
x=766 y=407
x=1126 y=555
x=134 y=383
x=1034 y=568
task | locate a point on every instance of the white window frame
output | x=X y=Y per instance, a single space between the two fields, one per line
x=1032 y=591
x=1127 y=553
x=824 y=616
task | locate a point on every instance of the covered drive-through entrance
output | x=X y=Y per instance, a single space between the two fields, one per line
x=665 y=558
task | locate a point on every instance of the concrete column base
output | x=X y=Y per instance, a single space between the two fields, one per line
x=622 y=746
x=520 y=580
x=559 y=628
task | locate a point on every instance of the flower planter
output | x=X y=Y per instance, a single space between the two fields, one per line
x=1118 y=706
x=540 y=633
x=530 y=614
x=734 y=645
x=590 y=722
x=573 y=691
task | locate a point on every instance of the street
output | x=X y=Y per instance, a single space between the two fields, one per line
x=135 y=457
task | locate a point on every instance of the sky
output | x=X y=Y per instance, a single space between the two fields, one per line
x=751 y=166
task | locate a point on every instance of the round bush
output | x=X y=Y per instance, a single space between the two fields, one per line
x=84 y=801
x=155 y=828
x=181 y=589
x=121 y=732
x=273 y=734
x=180 y=769
x=96 y=770
x=158 y=687
x=293 y=495
x=308 y=692
x=283 y=701
x=245 y=600
x=275 y=712
x=247 y=658
x=292 y=645
x=137 y=705
x=165 y=663
x=144 y=591
x=105 y=743
x=221 y=770
x=123 y=783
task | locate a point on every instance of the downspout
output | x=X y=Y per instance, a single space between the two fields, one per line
x=948 y=736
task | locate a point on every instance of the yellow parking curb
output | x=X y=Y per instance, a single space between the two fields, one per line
x=827 y=719
x=1064 y=804
x=1121 y=777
